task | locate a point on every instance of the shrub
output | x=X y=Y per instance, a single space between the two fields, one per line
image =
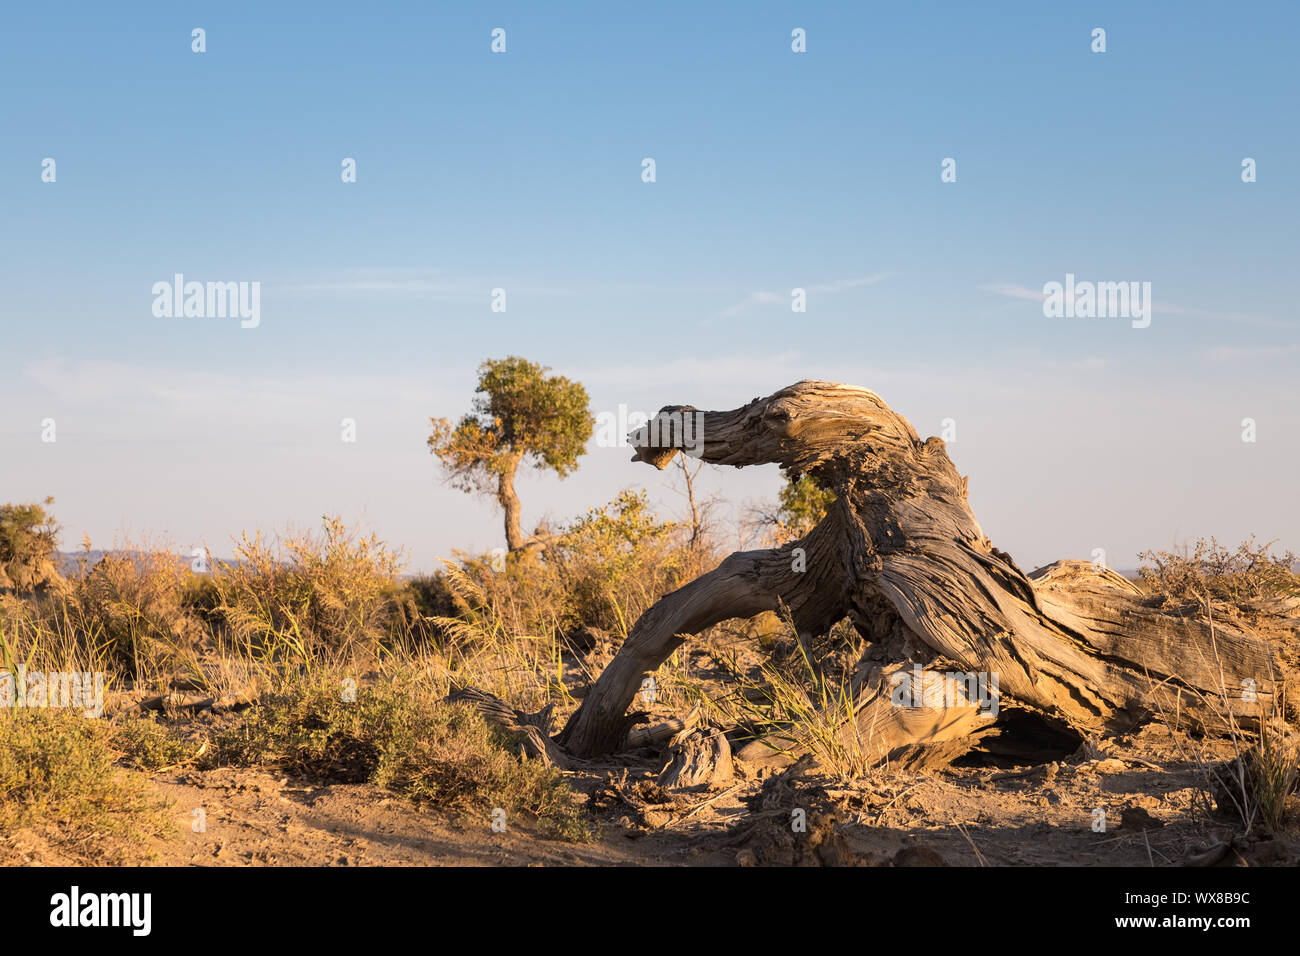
x=1273 y=770
x=1238 y=578
x=604 y=570
x=28 y=541
x=128 y=614
x=616 y=561
x=311 y=596
x=57 y=773
x=398 y=737
x=802 y=503
x=132 y=605
x=148 y=745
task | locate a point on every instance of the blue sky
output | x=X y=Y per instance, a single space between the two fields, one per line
x=522 y=171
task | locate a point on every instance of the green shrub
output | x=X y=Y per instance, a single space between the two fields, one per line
x=396 y=736
x=802 y=503
x=616 y=561
x=148 y=745
x=57 y=773
x=28 y=541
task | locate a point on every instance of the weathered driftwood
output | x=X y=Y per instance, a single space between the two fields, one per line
x=651 y=735
x=1078 y=642
x=697 y=759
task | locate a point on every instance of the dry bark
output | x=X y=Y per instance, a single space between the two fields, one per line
x=1078 y=642
x=697 y=759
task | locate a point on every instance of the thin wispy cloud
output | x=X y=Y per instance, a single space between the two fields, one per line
x=1158 y=307
x=764 y=297
x=422 y=283
x=1237 y=352
x=1014 y=291
x=125 y=391
x=373 y=286
x=1240 y=317
x=732 y=374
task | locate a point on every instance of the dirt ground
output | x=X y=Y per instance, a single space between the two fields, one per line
x=1044 y=814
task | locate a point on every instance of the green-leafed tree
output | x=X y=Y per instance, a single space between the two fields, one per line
x=521 y=415
x=801 y=504
x=28 y=539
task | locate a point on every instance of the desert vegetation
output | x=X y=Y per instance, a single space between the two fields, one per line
x=519 y=683
x=326 y=661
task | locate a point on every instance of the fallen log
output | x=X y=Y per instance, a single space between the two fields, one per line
x=901 y=544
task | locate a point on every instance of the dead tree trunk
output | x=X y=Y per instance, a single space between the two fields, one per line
x=1079 y=643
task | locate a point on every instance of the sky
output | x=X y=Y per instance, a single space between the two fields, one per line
x=522 y=170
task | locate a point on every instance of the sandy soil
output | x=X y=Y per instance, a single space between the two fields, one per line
x=1040 y=815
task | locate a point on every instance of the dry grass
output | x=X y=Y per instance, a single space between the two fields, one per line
x=1272 y=772
x=286 y=620
x=799 y=704
x=1256 y=783
x=309 y=597
x=1237 y=579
